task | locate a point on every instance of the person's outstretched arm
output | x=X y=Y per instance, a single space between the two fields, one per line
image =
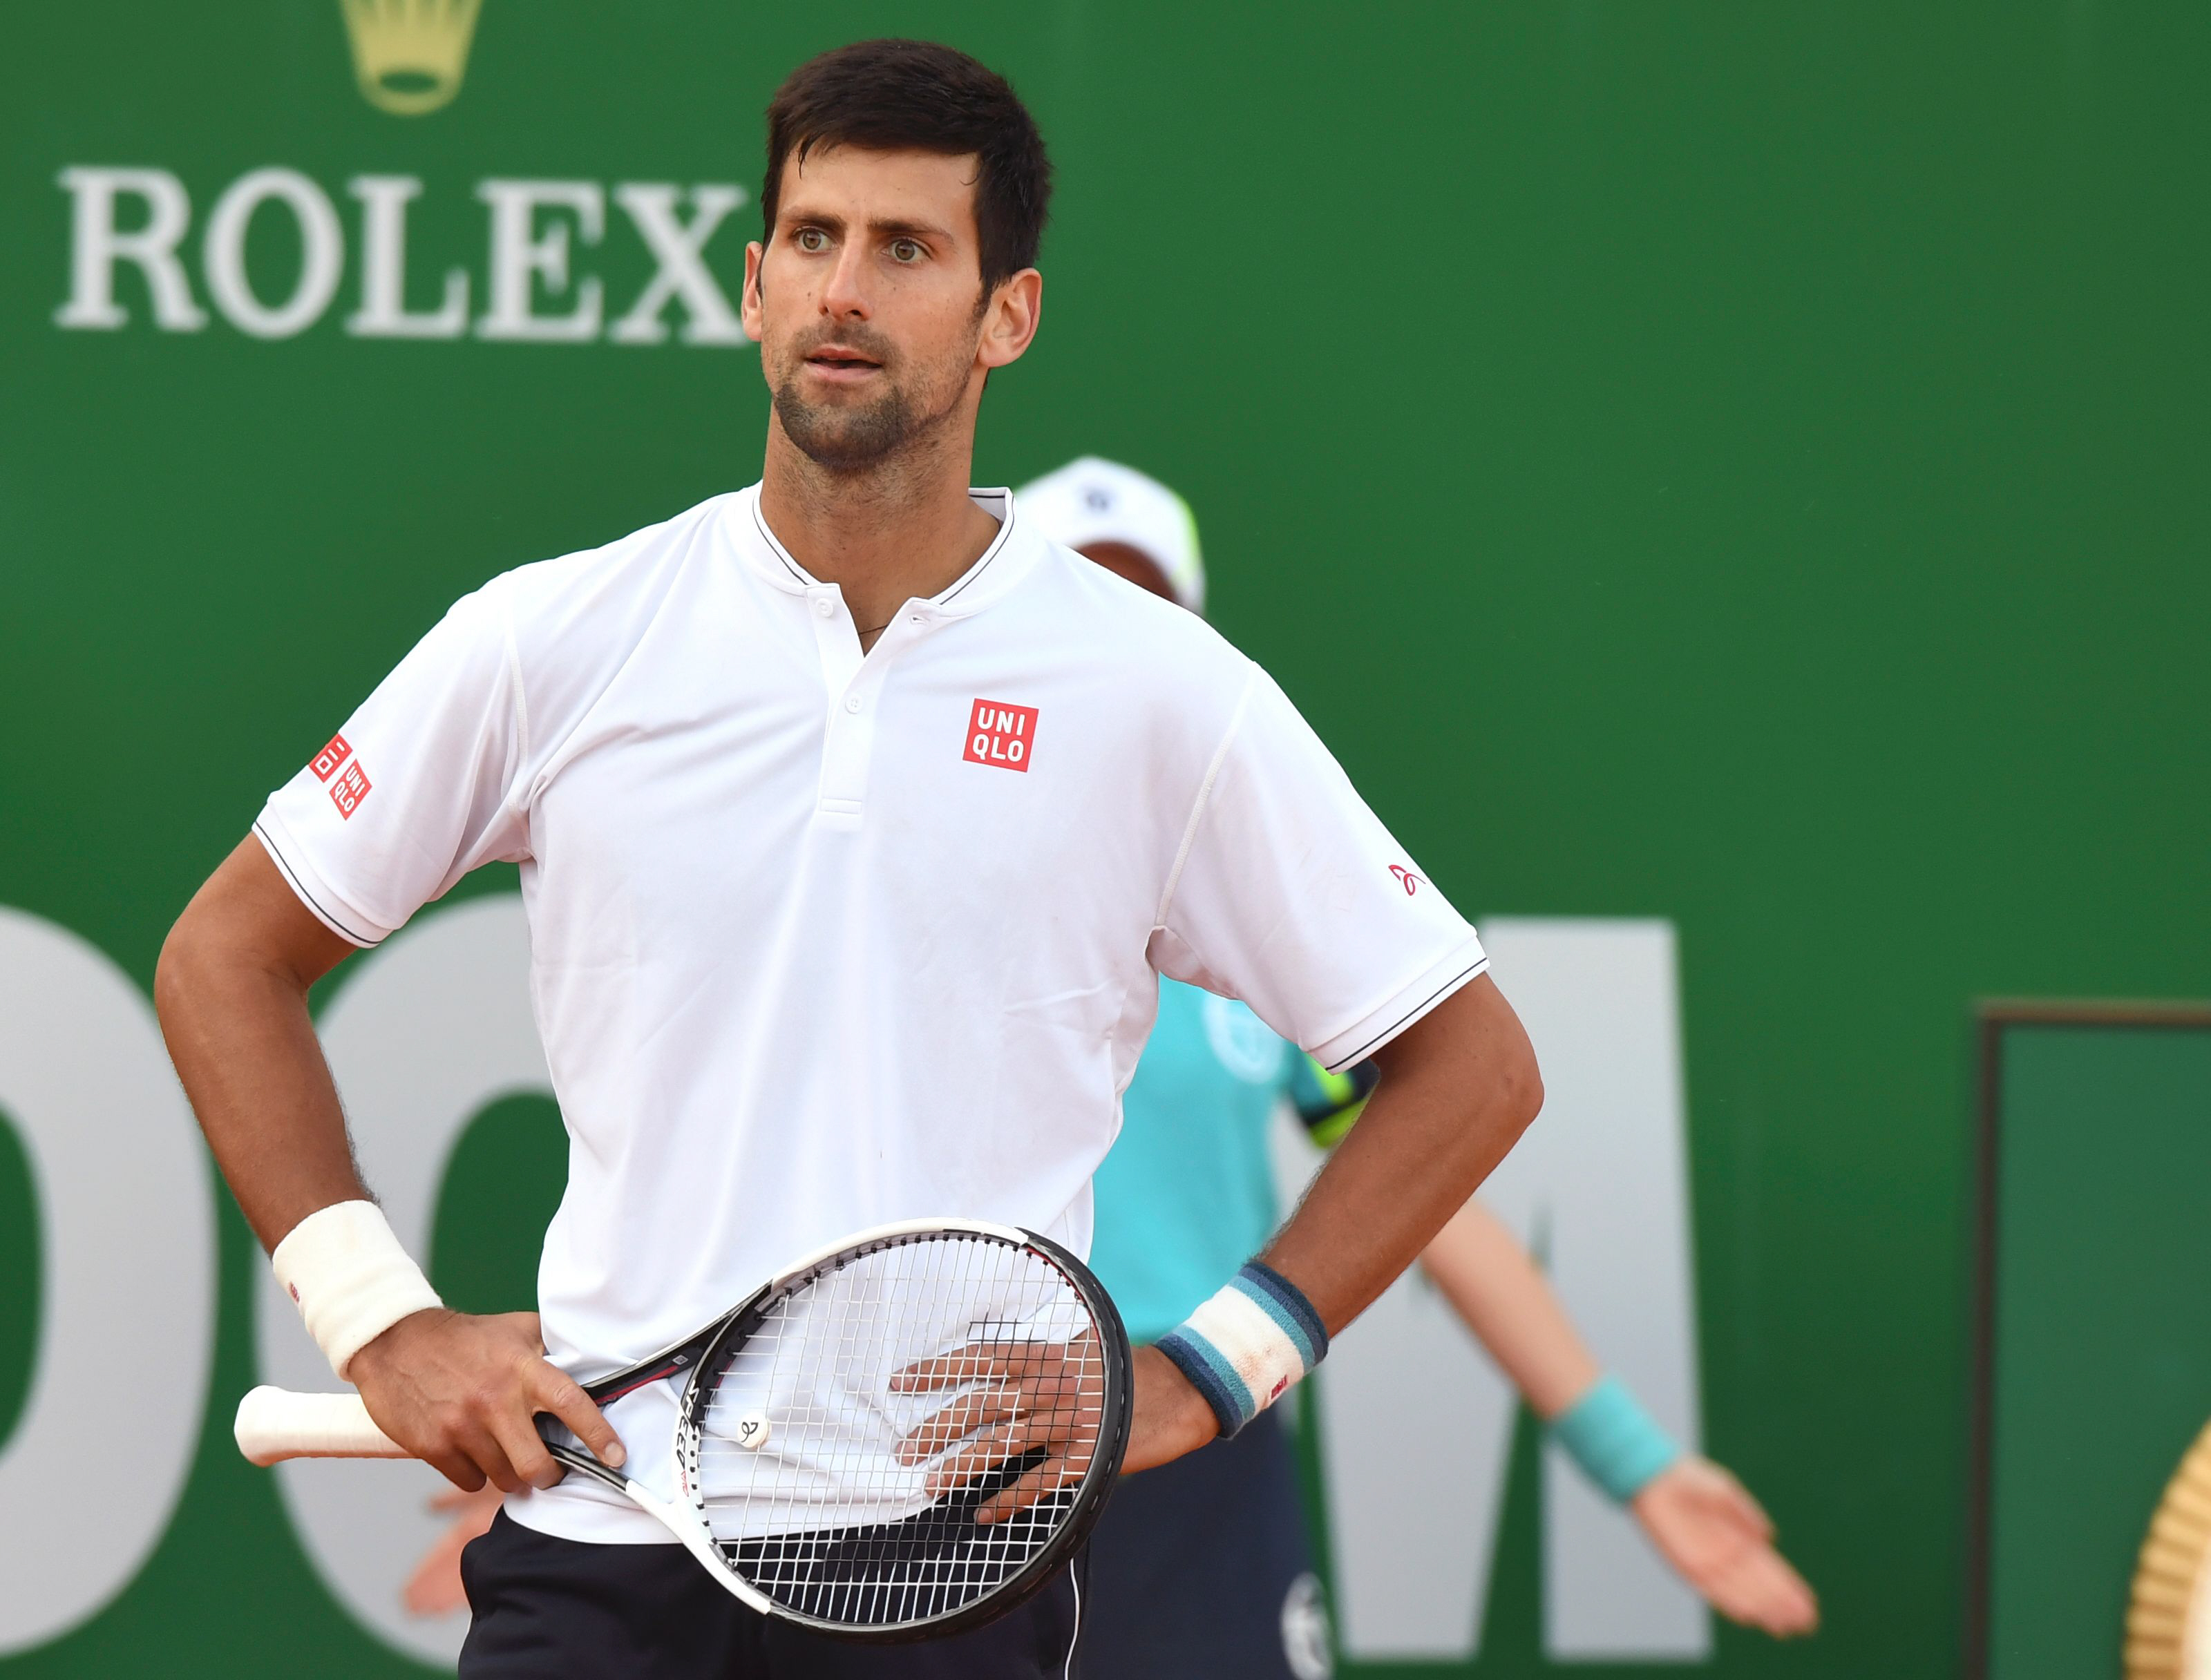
x=1457 y=1089
x=231 y=993
x=1702 y=1519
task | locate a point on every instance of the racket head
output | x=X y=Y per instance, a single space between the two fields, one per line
x=798 y=1406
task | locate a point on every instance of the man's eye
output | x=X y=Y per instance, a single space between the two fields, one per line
x=812 y=239
x=904 y=250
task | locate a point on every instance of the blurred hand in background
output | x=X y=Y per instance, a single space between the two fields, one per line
x=1720 y=1540
x=434 y=1588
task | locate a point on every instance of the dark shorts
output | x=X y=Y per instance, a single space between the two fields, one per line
x=547 y=1609
x=1202 y=1571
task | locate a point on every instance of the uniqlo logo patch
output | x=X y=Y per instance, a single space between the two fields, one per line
x=1001 y=734
x=325 y=762
x=349 y=790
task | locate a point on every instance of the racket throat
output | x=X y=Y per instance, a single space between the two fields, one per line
x=690 y=1530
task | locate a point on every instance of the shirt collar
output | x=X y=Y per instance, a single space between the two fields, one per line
x=999 y=568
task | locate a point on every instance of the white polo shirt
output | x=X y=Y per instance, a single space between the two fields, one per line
x=821 y=939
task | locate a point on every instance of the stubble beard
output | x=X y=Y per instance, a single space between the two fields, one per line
x=847 y=439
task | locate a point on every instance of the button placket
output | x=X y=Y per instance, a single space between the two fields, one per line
x=844 y=759
x=849 y=738
x=854 y=682
x=849 y=744
x=836 y=639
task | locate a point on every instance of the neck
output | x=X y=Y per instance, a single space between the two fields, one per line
x=899 y=530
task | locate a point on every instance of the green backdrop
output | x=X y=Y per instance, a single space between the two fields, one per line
x=1737 y=463
x=2099 y=1262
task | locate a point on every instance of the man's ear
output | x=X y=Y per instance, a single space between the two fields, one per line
x=750 y=310
x=1010 y=319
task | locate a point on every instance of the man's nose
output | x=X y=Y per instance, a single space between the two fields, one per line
x=846 y=297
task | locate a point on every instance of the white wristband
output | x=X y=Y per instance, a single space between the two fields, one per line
x=351 y=1278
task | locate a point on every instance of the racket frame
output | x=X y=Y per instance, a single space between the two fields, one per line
x=706 y=1350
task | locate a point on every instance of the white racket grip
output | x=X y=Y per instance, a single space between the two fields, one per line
x=274 y=1424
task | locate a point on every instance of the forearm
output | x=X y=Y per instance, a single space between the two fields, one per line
x=1496 y=1288
x=232 y=991
x=233 y=1009
x=1508 y=1303
x=1458 y=1089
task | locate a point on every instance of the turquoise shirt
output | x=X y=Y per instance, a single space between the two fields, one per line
x=1187 y=1194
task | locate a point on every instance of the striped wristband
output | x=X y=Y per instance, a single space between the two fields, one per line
x=1619 y=1445
x=1242 y=1348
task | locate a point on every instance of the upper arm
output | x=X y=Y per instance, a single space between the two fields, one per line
x=1471 y=1041
x=247 y=913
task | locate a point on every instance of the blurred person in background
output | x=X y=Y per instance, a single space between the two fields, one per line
x=1202 y=1569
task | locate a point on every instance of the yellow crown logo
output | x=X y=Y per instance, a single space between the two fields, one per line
x=409 y=55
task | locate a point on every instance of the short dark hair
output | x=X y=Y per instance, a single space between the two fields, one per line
x=916 y=96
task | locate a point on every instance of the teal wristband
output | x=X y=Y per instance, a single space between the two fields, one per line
x=1619 y=1445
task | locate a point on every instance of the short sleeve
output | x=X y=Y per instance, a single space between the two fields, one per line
x=1291 y=895
x=416 y=789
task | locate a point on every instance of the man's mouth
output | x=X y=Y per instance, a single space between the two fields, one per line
x=840 y=361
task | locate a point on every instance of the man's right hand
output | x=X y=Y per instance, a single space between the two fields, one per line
x=464 y=1392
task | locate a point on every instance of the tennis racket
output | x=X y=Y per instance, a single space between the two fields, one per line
x=899 y=1437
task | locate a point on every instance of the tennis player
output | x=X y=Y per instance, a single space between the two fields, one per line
x=1202 y=1569
x=856 y=824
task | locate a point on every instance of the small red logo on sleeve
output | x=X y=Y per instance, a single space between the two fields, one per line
x=1001 y=734
x=325 y=762
x=1405 y=878
x=349 y=790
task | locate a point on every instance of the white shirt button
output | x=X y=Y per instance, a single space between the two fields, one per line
x=823 y=606
x=851 y=703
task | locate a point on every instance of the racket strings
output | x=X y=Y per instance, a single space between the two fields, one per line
x=985 y=1344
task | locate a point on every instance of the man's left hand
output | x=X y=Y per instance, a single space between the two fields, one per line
x=1017 y=1399
x=1169 y=1419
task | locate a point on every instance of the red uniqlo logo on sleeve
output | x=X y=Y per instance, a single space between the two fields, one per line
x=1001 y=734
x=349 y=790
x=325 y=762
